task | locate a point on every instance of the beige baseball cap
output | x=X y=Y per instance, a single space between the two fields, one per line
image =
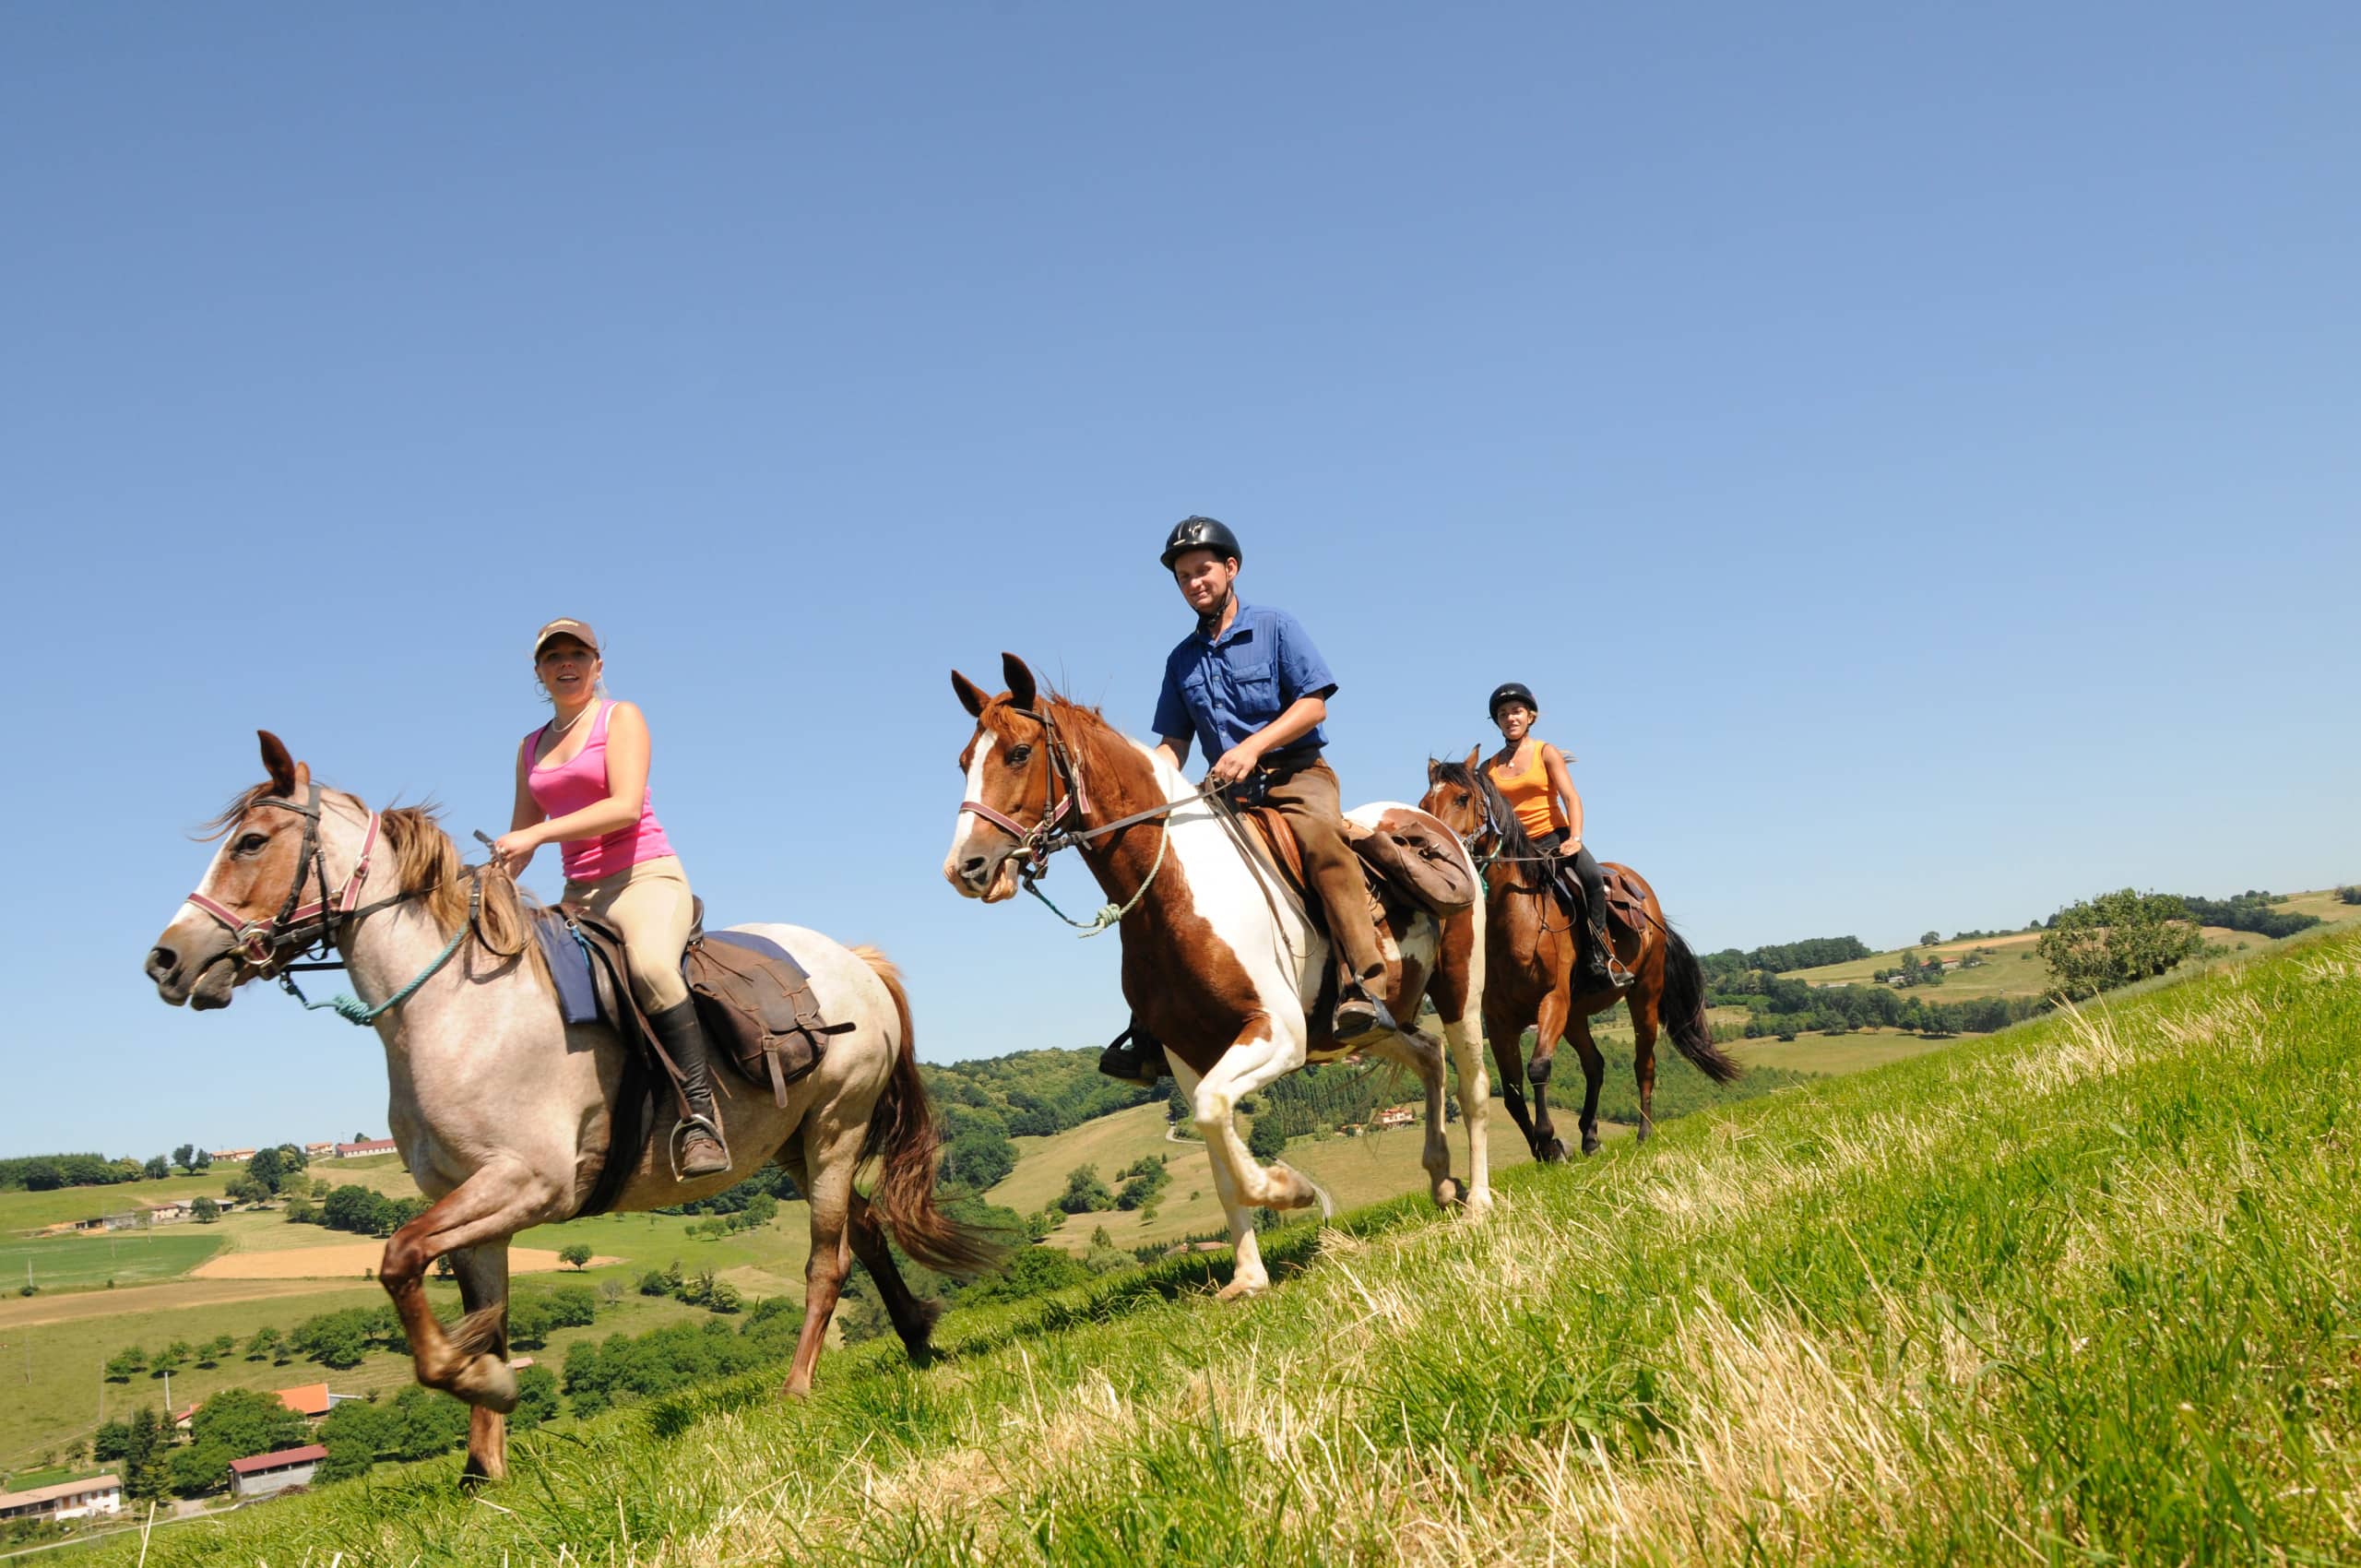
x=565 y=626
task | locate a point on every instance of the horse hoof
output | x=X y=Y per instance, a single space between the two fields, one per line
x=1590 y=1144
x=1242 y=1290
x=1449 y=1194
x=1647 y=1128
x=1477 y=1205
x=1554 y=1152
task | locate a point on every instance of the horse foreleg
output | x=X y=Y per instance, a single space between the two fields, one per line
x=1594 y=1077
x=1508 y=1055
x=499 y=1200
x=830 y=1153
x=483 y=1292
x=1548 y=1025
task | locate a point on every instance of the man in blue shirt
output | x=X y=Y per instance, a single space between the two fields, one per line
x=1248 y=686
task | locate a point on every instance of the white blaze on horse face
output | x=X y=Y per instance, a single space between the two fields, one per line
x=973 y=839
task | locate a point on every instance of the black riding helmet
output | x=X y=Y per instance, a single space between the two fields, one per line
x=1201 y=533
x=1507 y=693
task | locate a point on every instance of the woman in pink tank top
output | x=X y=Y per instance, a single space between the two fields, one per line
x=582 y=783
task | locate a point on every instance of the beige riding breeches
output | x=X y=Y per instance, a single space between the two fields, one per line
x=649 y=903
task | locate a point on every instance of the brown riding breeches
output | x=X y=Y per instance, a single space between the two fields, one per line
x=1307 y=797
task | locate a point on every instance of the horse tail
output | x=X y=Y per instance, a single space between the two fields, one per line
x=902 y=1135
x=1684 y=1011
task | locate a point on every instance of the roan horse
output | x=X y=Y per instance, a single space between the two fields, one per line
x=1532 y=979
x=502 y=1109
x=1218 y=960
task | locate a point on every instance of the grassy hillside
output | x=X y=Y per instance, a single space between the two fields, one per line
x=2083 y=1291
x=2010 y=969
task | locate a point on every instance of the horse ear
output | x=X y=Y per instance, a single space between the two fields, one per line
x=1475 y=754
x=971 y=696
x=1434 y=770
x=277 y=763
x=1020 y=690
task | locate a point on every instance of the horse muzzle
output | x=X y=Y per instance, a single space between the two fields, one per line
x=991 y=878
x=192 y=967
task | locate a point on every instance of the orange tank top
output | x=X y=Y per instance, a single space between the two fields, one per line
x=1528 y=794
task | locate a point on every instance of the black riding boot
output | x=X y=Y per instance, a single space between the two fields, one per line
x=1134 y=1056
x=1600 y=964
x=683 y=1038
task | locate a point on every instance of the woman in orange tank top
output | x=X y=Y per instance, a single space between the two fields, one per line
x=1531 y=776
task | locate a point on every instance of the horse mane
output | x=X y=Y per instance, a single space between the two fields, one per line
x=1097 y=744
x=1515 y=844
x=427 y=867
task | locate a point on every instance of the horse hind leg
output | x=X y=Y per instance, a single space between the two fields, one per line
x=913 y=1319
x=832 y=1155
x=1423 y=1055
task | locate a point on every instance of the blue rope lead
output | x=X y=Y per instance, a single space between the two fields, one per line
x=353 y=1010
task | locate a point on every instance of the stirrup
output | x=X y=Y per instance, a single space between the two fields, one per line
x=679 y=1140
x=1382 y=1024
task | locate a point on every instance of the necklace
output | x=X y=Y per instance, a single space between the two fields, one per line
x=557 y=732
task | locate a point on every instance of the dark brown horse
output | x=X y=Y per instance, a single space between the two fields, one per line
x=1533 y=977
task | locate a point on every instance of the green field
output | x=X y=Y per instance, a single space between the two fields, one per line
x=22 y=1211
x=132 y=1257
x=2085 y=1291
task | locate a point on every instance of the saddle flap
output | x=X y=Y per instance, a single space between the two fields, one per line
x=1627 y=897
x=1418 y=857
x=756 y=1002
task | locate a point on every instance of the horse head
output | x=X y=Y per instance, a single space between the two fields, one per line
x=1016 y=797
x=247 y=917
x=1456 y=795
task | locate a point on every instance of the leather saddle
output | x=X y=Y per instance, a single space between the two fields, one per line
x=753 y=999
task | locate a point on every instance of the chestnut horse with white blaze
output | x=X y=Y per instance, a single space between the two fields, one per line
x=502 y=1109
x=1532 y=979
x=1219 y=962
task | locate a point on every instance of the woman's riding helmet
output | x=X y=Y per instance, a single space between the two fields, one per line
x=1201 y=533
x=1512 y=691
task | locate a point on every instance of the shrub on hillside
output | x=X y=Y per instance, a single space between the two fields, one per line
x=1085 y=1192
x=2116 y=938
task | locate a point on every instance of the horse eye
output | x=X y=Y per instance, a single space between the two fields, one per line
x=252 y=842
x=1019 y=756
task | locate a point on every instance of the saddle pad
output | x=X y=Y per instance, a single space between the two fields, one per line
x=578 y=998
x=1627 y=905
x=762 y=945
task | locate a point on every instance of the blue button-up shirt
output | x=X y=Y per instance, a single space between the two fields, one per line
x=1223 y=690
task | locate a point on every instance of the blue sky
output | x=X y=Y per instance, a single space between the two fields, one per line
x=1912 y=452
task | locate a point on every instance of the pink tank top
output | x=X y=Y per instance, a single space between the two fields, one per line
x=570 y=786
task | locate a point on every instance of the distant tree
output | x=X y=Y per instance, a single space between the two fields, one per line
x=1177 y=1109
x=264 y=1169
x=126 y=1364
x=291 y=1160
x=361 y=1137
x=42 y=1174
x=171 y=1359
x=157 y=1168
x=204 y=1160
x=536 y=1398
x=576 y=1256
x=111 y=1441
x=151 y=1437
x=302 y=1211
x=724 y=1298
x=244 y=1190
x=206 y=1210
x=266 y=1344
x=185 y=1157
x=1930 y=938
x=653 y=1283
x=1085 y=1193
x=1264 y=1139
x=2116 y=938
x=978 y=1158
x=2348 y=894
x=242 y=1421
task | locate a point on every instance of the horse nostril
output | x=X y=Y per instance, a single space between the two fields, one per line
x=162 y=960
x=971 y=865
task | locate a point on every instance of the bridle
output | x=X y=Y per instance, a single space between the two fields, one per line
x=1036 y=844
x=299 y=929
x=1039 y=842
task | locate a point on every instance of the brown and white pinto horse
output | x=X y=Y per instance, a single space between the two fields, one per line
x=503 y=1110
x=1218 y=961
x=1532 y=979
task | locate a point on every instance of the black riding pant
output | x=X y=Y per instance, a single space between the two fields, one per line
x=1586 y=877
